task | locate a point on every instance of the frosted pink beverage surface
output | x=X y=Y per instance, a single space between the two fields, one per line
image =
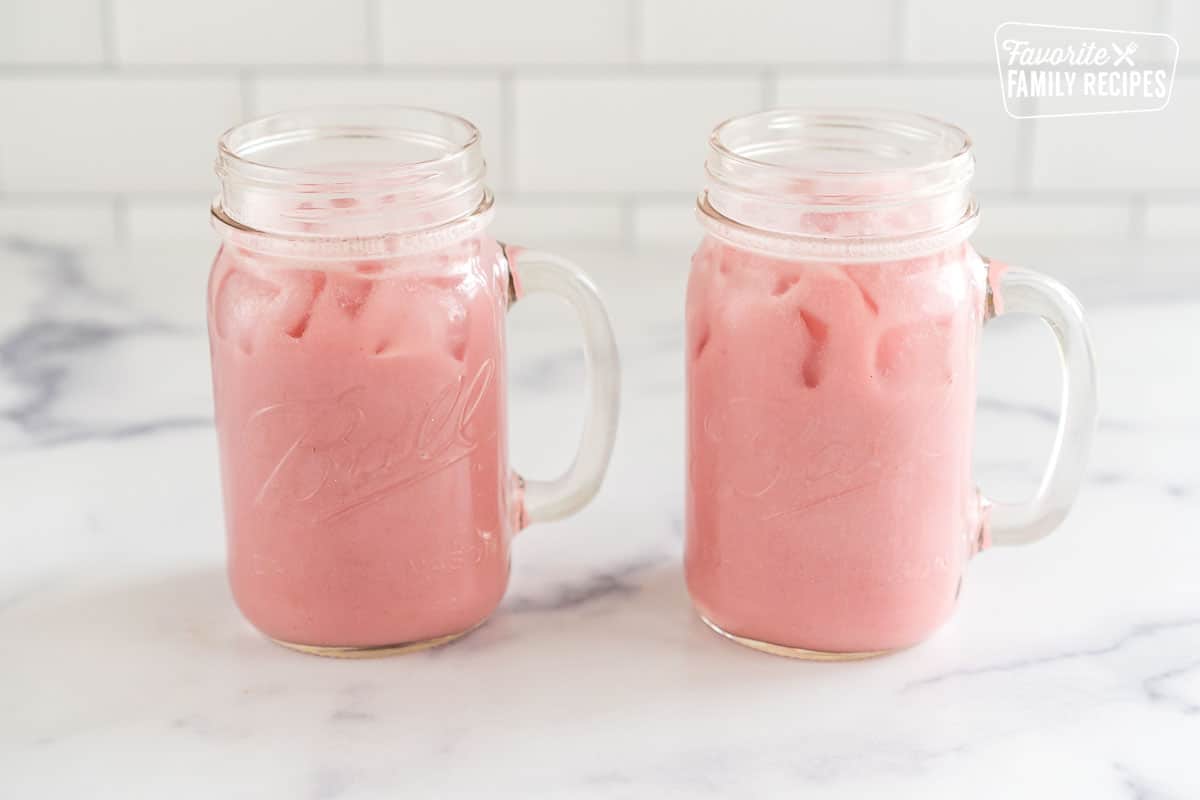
x=360 y=412
x=830 y=415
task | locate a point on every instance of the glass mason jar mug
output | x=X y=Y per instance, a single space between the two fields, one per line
x=356 y=314
x=833 y=315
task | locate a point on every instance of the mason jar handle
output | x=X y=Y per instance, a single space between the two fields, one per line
x=533 y=271
x=1012 y=290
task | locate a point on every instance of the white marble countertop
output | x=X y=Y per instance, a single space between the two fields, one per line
x=1072 y=668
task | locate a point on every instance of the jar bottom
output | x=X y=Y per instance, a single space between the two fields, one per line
x=374 y=651
x=799 y=653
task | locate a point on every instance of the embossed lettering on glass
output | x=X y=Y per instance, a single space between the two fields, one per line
x=834 y=310
x=357 y=324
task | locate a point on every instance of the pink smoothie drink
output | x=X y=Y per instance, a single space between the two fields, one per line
x=361 y=416
x=829 y=500
x=356 y=314
x=834 y=312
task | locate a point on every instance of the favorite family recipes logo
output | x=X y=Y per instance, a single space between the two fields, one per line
x=1058 y=71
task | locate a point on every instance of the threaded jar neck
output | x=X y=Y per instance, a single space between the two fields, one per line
x=839 y=184
x=356 y=173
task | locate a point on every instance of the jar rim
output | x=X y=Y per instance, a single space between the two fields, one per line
x=353 y=171
x=956 y=143
x=840 y=182
x=284 y=127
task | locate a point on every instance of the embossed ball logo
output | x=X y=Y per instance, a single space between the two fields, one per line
x=324 y=457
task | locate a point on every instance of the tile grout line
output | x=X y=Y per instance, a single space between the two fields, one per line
x=899 y=32
x=120 y=212
x=1164 y=14
x=508 y=124
x=167 y=71
x=1026 y=155
x=629 y=223
x=447 y=72
x=768 y=96
x=1139 y=214
x=108 y=34
x=633 y=31
x=373 y=13
x=246 y=94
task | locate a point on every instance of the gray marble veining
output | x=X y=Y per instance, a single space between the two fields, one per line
x=1071 y=669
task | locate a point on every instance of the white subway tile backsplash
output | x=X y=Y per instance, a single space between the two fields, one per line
x=594 y=116
x=76 y=223
x=667 y=223
x=1010 y=217
x=477 y=99
x=1096 y=270
x=542 y=224
x=1123 y=152
x=1183 y=20
x=164 y=220
x=765 y=31
x=51 y=32
x=953 y=31
x=112 y=134
x=241 y=32
x=1173 y=221
x=620 y=135
x=510 y=32
x=971 y=103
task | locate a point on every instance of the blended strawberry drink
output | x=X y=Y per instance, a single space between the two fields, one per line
x=833 y=317
x=356 y=319
x=360 y=415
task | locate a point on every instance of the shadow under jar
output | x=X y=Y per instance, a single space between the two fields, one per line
x=356 y=315
x=833 y=317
